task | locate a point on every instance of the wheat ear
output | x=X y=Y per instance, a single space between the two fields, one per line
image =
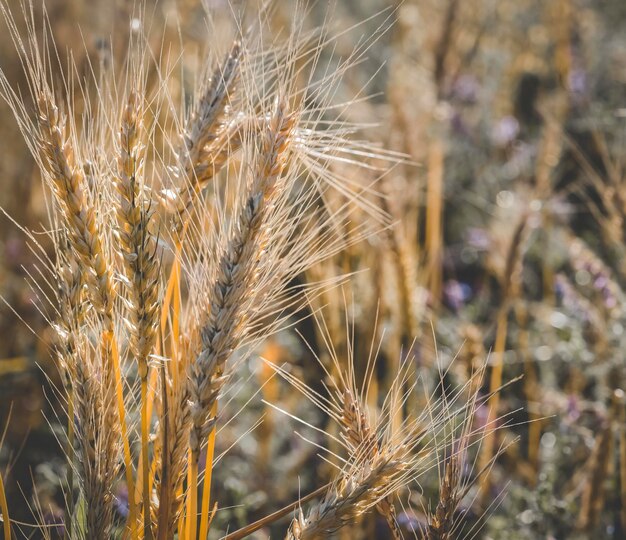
x=361 y=487
x=207 y=138
x=358 y=433
x=97 y=435
x=175 y=424
x=234 y=285
x=441 y=523
x=68 y=183
x=141 y=267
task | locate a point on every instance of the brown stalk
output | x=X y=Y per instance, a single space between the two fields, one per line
x=594 y=492
x=444 y=45
x=531 y=386
x=621 y=417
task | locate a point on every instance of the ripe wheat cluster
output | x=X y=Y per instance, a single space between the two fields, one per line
x=182 y=227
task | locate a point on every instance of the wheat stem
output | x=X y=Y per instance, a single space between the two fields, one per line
x=206 y=488
x=4 y=509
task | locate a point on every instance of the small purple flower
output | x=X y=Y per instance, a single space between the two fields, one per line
x=573 y=409
x=466 y=89
x=457 y=124
x=577 y=82
x=455 y=294
x=481 y=414
x=55 y=519
x=505 y=131
x=601 y=282
x=478 y=238
x=121 y=500
x=409 y=522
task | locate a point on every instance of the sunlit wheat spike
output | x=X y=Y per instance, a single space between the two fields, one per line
x=357 y=490
x=97 y=436
x=136 y=241
x=68 y=182
x=209 y=138
x=235 y=284
x=173 y=462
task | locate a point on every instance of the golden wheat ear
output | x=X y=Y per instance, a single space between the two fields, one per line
x=445 y=428
x=269 y=228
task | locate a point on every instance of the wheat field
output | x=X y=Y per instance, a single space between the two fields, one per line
x=312 y=269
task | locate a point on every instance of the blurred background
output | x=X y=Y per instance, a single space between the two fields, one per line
x=508 y=246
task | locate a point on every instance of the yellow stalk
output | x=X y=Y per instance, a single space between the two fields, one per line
x=145 y=463
x=181 y=520
x=4 y=509
x=494 y=384
x=128 y=464
x=172 y=297
x=176 y=307
x=434 y=211
x=171 y=292
x=70 y=469
x=152 y=379
x=192 y=497
x=208 y=473
x=149 y=408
